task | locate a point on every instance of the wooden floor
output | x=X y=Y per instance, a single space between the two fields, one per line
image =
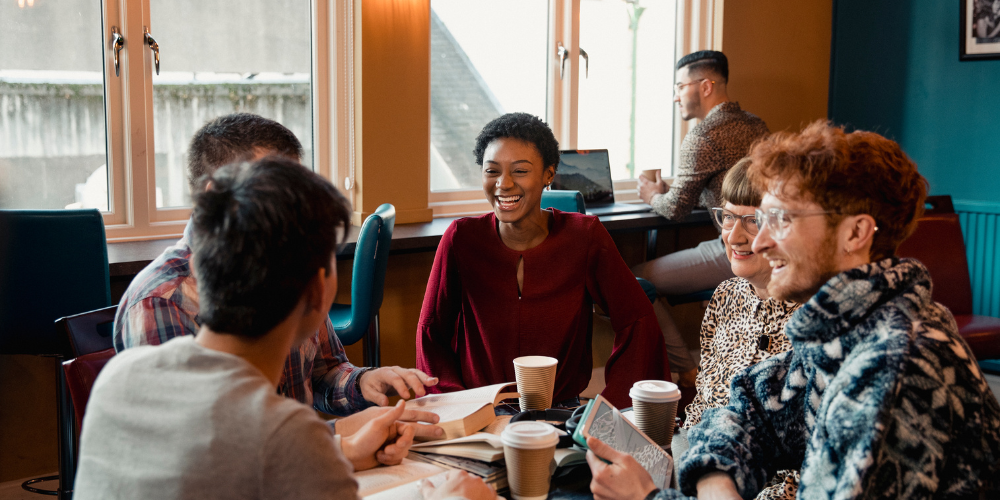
x=11 y=490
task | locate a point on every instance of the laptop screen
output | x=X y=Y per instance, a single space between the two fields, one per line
x=587 y=171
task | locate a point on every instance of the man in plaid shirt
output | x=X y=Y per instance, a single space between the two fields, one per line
x=162 y=301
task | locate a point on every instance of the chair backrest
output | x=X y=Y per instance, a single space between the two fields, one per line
x=941 y=204
x=90 y=331
x=53 y=263
x=564 y=200
x=371 y=257
x=937 y=243
x=81 y=372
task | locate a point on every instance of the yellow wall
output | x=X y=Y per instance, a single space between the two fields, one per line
x=779 y=58
x=392 y=107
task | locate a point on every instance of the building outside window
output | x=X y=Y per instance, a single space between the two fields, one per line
x=67 y=114
x=490 y=58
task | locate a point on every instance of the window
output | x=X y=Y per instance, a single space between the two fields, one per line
x=80 y=130
x=53 y=139
x=488 y=58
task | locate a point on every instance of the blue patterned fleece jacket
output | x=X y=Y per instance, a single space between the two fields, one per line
x=878 y=398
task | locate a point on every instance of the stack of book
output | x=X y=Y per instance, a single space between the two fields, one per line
x=493 y=473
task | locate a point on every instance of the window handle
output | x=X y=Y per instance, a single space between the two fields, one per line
x=155 y=47
x=117 y=42
x=586 y=63
x=563 y=55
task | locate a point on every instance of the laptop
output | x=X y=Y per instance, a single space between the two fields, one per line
x=589 y=172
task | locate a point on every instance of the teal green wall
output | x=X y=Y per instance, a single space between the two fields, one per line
x=895 y=70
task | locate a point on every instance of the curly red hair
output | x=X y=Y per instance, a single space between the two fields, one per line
x=849 y=173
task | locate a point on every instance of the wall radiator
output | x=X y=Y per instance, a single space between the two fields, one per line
x=981 y=230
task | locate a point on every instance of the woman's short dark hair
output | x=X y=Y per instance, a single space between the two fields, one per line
x=524 y=126
x=260 y=232
x=237 y=137
x=737 y=188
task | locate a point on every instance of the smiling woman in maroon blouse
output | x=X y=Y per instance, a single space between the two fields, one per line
x=521 y=281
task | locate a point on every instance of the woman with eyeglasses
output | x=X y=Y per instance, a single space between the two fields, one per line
x=743 y=324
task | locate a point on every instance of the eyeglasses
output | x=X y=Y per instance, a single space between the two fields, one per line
x=779 y=220
x=680 y=86
x=727 y=220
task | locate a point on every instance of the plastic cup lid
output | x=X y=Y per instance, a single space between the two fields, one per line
x=529 y=435
x=655 y=391
x=535 y=361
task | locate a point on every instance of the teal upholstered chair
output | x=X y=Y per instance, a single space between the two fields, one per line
x=53 y=263
x=371 y=255
x=566 y=201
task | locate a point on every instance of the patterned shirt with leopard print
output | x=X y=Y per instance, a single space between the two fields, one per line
x=740 y=330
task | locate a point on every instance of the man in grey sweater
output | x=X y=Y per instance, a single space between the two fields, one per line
x=709 y=150
x=200 y=416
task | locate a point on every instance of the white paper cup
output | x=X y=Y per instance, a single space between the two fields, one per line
x=536 y=379
x=528 y=449
x=655 y=405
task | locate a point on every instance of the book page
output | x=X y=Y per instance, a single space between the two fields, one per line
x=498 y=425
x=482 y=395
x=452 y=411
x=383 y=478
x=479 y=437
x=407 y=491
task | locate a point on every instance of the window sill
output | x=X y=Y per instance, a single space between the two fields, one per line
x=127 y=258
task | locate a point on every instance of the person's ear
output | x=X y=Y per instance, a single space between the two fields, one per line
x=707 y=87
x=315 y=290
x=858 y=234
x=548 y=174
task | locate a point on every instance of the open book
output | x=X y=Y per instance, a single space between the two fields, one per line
x=464 y=412
x=379 y=479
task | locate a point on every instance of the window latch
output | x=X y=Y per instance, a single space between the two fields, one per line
x=117 y=42
x=563 y=55
x=155 y=47
x=586 y=63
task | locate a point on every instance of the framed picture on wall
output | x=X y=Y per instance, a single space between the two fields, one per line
x=980 y=30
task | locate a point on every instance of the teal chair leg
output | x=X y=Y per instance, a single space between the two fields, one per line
x=371 y=346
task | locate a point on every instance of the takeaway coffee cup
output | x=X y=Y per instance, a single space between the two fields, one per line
x=528 y=449
x=651 y=174
x=655 y=405
x=536 y=378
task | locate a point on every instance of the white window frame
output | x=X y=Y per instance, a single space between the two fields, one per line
x=699 y=27
x=132 y=213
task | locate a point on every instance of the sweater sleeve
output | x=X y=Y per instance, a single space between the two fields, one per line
x=638 y=352
x=439 y=319
x=693 y=174
x=303 y=459
x=736 y=439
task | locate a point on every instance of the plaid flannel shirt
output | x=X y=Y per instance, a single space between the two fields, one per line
x=162 y=303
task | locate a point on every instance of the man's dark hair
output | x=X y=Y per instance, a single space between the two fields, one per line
x=237 y=137
x=260 y=231
x=524 y=126
x=706 y=60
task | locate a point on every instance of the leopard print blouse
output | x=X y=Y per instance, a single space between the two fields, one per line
x=740 y=330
